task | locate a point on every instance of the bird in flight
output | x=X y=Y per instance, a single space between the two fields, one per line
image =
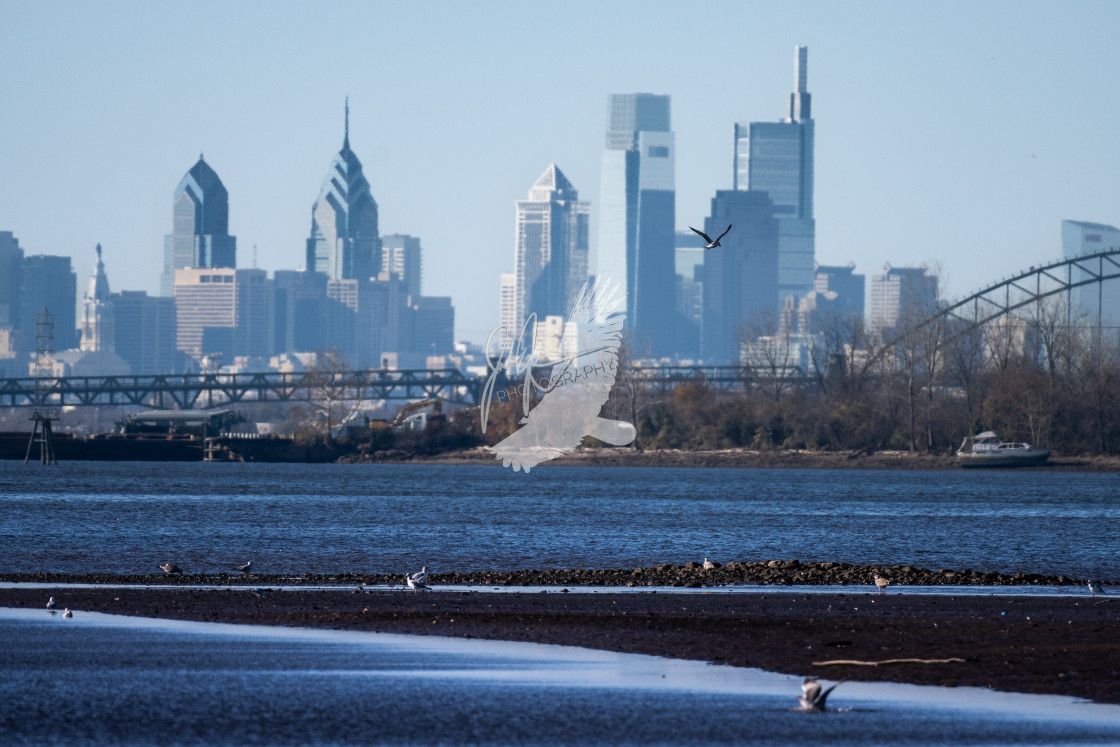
x=712 y=244
x=812 y=697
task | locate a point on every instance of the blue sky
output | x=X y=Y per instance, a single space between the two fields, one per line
x=958 y=133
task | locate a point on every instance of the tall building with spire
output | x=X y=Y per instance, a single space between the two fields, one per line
x=637 y=215
x=777 y=158
x=200 y=229
x=96 y=327
x=344 y=241
x=550 y=258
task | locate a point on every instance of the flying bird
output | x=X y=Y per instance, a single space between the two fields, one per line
x=1094 y=587
x=247 y=568
x=882 y=583
x=577 y=387
x=171 y=568
x=67 y=613
x=812 y=697
x=712 y=244
x=53 y=605
x=418 y=580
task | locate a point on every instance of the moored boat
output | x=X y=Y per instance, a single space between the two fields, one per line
x=987 y=450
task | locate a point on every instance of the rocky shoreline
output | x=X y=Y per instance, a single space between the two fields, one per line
x=689 y=575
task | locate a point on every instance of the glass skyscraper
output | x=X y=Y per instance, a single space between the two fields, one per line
x=637 y=216
x=777 y=157
x=200 y=229
x=344 y=241
x=550 y=259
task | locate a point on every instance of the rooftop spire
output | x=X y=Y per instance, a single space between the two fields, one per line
x=346 y=135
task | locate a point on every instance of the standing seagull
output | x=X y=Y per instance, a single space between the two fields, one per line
x=419 y=580
x=53 y=605
x=67 y=613
x=1094 y=587
x=881 y=582
x=247 y=568
x=812 y=697
x=712 y=244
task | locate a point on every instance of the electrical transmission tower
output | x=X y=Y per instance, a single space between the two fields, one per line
x=43 y=412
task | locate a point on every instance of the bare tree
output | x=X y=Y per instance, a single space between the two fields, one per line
x=770 y=352
x=331 y=392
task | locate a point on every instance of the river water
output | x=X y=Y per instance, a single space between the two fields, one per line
x=128 y=517
x=103 y=679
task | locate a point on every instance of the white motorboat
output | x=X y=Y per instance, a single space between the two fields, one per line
x=987 y=450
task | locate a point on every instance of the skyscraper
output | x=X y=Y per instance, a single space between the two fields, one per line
x=550 y=259
x=344 y=240
x=400 y=256
x=901 y=292
x=848 y=286
x=777 y=157
x=11 y=259
x=200 y=229
x=637 y=215
x=223 y=310
x=1097 y=301
x=49 y=281
x=741 y=275
x=144 y=331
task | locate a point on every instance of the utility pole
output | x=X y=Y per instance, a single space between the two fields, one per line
x=43 y=413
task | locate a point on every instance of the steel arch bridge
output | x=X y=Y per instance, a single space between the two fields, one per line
x=1037 y=284
x=1018 y=291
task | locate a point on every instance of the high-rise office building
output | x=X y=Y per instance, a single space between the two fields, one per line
x=741 y=275
x=550 y=259
x=400 y=256
x=777 y=157
x=144 y=331
x=849 y=287
x=507 y=313
x=200 y=228
x=901 y=293
x=300 y=311
x=223 y=310
x=637 y=214
x=96 y=327
x=11 y=259
x=1099 y=302
x=48 y=281
x=344 y=241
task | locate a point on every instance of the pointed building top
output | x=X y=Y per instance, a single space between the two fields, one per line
x=346 y=129
x=553 y=179
x=200 y=157
x=99 y=251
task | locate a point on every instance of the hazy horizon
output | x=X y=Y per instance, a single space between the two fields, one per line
x=958 y=133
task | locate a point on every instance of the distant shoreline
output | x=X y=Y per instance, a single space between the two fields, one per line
x=744 y=459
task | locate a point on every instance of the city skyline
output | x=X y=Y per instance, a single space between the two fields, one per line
x=971 y=157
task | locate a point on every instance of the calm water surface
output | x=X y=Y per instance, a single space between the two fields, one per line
x=103 y=679
x=128 y=517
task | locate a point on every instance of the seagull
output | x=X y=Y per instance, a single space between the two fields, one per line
x=712 y=244
x=812 y=697
x=1094 y=586
x=53 y=605
x=708 y=565
x=418 y=580
x=171 y=568
x=881 y=582
x=67 y=613
x=247 y=568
